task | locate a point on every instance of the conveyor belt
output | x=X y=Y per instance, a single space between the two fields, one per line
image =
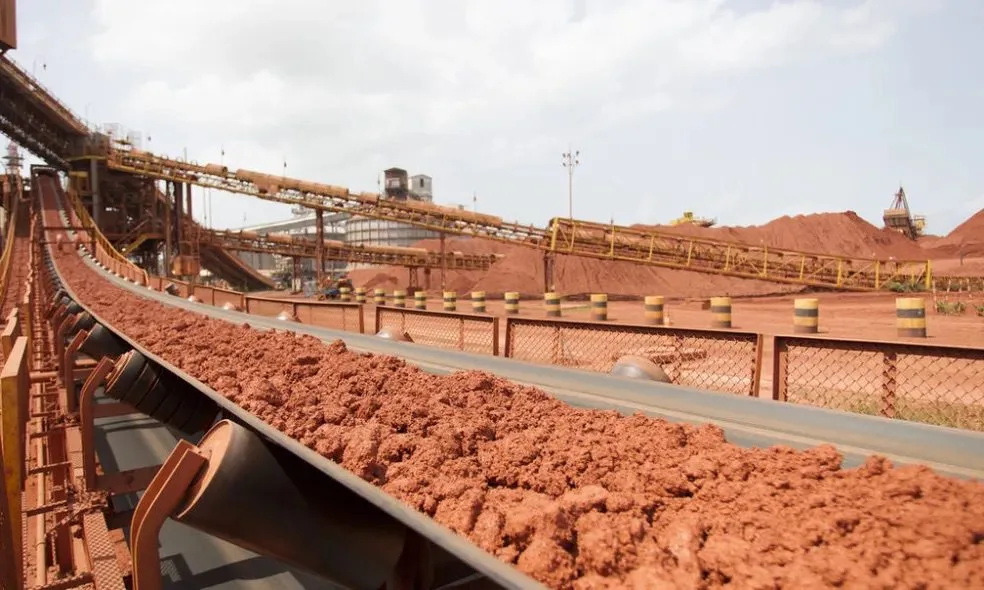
x=746 y=421
x=495 y=570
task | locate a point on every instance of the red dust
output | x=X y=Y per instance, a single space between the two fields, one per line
x=576 y=498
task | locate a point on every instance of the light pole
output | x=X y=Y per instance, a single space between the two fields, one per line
x=570 y=160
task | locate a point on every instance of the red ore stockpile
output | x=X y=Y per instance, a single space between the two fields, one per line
x=576 y=498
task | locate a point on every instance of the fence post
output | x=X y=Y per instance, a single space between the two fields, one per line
x=890 y=373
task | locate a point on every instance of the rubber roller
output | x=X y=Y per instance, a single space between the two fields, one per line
x=71 y=308
x=160 y=394
x=394 y=334
x=638 y=367
x=274 y=504
x=101 y=342
x=83 y=321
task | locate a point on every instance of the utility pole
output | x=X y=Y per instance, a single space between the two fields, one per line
x=570 y=160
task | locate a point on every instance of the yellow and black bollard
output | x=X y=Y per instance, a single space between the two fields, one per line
x=910 y=317
x=360 y=294
x=420 y=300
x=599 y=307
x=478 y=301
x=379 y=296
x=512 y=303
x=450 y=301
x=551 y=302
x=399 y=298
x=721 y=313
x=654 y=310
x=345 y=294
x=806 y=316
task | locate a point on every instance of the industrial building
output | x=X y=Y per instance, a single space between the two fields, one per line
x=364 y=231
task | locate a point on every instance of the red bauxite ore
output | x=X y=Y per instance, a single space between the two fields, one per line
x=577 y=498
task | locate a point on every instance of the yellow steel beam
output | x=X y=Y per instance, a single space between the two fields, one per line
x=578 y=238
x=285 y=245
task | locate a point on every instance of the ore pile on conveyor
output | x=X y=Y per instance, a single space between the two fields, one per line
x=576 y=498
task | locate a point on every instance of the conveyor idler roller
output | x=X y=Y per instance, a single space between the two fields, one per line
x=101 y=342
x=275 y=505
x=160 y=394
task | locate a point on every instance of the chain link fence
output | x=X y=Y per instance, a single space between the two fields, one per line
x=468 y=332
x=724 y=361
x=323 y=314
x=942 y=385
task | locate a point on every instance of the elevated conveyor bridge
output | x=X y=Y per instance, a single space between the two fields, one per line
x=34 y=117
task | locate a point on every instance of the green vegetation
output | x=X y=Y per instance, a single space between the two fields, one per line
x=952 y=307
x=912 y=286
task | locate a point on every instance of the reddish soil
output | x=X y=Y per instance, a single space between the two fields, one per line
x=966 y=239
x=522 y=270
x=842 y=234
x=577 y=498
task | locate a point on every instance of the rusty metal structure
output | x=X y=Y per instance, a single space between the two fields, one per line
x=899 y=217
x=117 y=183
x=66 y=371
x=60 y=356
x=8 y=25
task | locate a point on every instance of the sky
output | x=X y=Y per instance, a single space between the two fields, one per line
x=740 y=110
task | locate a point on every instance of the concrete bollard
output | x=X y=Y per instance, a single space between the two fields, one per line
x=551 y=302
x=599 y=307
x=512 y=303
x=450 y=301
x=379 y=296
x=360 y=294
x=721 y=313
x=654 y=310
x=478 y=301
x=806 y=316
x=399 y=298
x=910 y=317
x=420 y=300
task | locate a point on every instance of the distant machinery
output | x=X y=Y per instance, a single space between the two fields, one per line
x=689 y=218
x=900 y=218
x=398 y=186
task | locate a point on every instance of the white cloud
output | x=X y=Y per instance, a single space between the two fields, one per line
x=348 y=87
